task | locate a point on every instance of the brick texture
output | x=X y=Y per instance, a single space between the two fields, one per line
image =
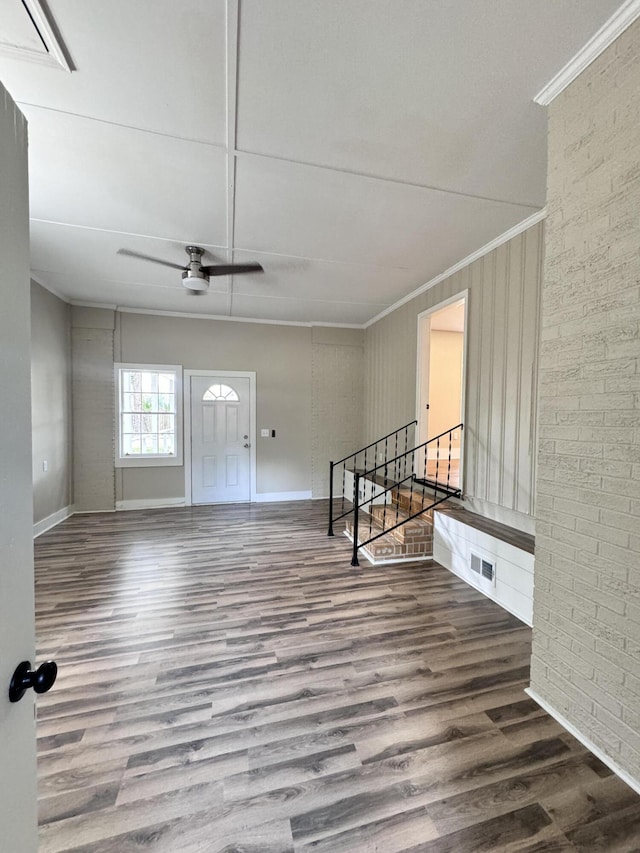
x=93 y=418
x=336 y=410
x=586 y=647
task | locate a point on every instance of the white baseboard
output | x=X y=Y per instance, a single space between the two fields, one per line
x=559 y=718
x=50 y=521
x=149 y=503
x=272 y=497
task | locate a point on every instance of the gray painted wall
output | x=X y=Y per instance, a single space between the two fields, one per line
x=50 y=402
x=502 y=351
x=586 y=646
x=93 y=408
x=293 y=392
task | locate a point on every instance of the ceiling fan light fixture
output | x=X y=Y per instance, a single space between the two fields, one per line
x=194 y=278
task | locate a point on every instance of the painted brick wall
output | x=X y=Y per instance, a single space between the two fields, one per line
x=337 y=401
x=93 y=408
x=586 y=649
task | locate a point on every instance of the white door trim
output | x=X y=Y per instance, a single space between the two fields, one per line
x=462 y=294
x=244 y=374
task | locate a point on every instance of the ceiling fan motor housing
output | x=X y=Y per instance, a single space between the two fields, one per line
x=194 y=277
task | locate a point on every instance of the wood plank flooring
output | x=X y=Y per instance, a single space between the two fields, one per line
x=228 y=682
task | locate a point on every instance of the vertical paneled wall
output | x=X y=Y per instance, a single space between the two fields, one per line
x=586 y=640
x=337 y=400
x=93 y=408
x=502 y=345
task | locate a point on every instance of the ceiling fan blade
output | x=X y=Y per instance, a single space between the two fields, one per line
x=232 y=269
x=141 y=257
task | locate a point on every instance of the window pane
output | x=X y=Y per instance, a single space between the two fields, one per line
x=166 y=383
x=130 y=445
x=149 y=423
x=131 y=423
x=132 y=402
x=166 y=443
x=166 y=403
x=149 y=444
x=131 y=380
x=166 y=423
x=149 y=402
x=149 y=381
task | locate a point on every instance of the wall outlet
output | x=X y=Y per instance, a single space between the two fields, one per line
x=264 y=433
x=45 y=466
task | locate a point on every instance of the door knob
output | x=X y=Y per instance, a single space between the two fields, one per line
x=41 y=679
x=247 y=445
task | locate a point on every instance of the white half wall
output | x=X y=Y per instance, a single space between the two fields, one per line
x=453 y=543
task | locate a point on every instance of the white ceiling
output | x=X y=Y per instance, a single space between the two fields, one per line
x=356 y=148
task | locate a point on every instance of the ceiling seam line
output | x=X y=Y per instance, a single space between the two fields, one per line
x=219 y=145
x=232 y=35
x=239 y=152
x=217 y=246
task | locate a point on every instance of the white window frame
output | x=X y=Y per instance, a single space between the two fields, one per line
x=159 y=460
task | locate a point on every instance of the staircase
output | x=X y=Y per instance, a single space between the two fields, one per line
x=390 y=507
x=410 y=539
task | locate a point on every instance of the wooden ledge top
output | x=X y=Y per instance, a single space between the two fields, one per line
x=524 y=541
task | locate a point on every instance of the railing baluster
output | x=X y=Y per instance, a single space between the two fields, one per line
x=406 y=447
x=356 y=501
x=330 y=533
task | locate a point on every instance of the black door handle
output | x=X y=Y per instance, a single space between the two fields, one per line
x=41 y=679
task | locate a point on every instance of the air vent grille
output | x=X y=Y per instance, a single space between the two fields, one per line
x=483 y=567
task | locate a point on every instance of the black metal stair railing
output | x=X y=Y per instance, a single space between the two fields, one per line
x=437 y=476
x=360 y=460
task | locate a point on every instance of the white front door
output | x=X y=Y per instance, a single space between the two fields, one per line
x=220 y=439
x=17 y=725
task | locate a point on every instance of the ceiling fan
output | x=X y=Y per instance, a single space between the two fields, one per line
x=195 y=276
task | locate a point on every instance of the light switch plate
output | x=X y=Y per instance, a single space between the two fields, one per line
x=264 y=433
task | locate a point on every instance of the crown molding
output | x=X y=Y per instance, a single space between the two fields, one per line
x=227 y=319
x=79 y=303
x=529 y=222
x=51 y=290
x=608 y=33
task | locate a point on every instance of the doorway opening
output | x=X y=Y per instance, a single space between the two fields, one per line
x=441 y=381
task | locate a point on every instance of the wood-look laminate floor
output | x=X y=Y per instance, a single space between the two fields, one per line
x=228 y=682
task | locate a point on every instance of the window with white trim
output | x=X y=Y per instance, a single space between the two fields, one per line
x=149 y=415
